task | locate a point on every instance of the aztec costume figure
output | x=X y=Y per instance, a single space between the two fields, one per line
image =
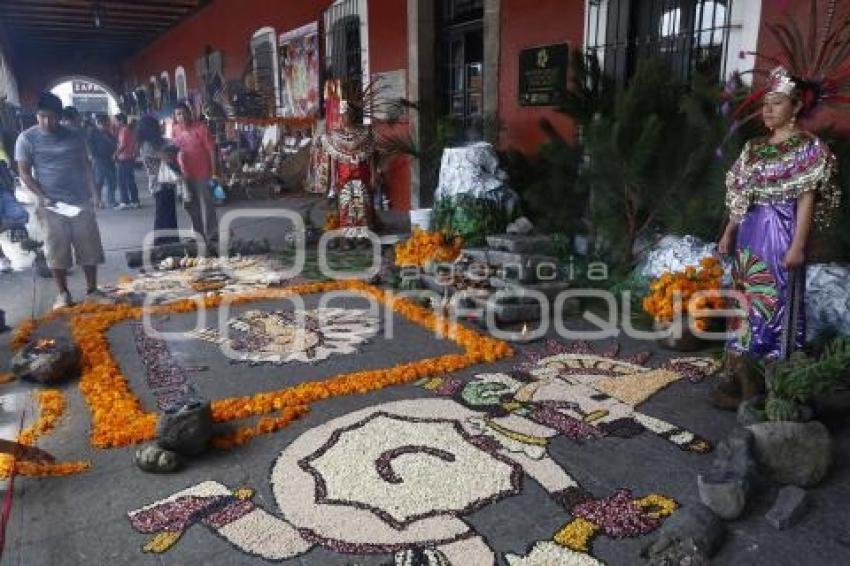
x=351 y=156
x=776 y=188
x=781 y=188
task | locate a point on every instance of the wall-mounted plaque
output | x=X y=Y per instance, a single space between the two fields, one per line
x=543 y=75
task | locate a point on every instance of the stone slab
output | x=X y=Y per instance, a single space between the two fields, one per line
x=549 y=288
x=517 y=243
x=725 y=494
x=790 y=505
x=515 y=266
x=507 y=313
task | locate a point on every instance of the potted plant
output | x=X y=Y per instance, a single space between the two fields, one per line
x=793 y=384
x=791 y=446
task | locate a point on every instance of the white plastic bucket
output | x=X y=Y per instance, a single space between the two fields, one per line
x=420 y=217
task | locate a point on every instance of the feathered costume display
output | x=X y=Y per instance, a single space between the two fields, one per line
x=767 y=179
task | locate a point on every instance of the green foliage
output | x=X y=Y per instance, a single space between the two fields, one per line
x=799 y=379
x=550 y=177
x=590 y=93
x=469 y=218
x=698 y=207
x=647 y=157
x=777 y=409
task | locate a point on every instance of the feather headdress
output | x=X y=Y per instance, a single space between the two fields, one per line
x=813 y=65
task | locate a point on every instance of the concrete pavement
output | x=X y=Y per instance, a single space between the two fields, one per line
x=82 y=519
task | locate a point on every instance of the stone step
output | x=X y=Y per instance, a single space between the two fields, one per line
x=549 y=288
x=507 y=313
x=522 y=268
x=517 y=243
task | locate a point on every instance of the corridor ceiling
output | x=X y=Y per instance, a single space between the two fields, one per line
x=102 y=29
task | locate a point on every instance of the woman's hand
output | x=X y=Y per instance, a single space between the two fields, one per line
x=794 y=257
x=726 y=243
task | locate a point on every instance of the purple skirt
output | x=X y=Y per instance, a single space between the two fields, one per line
x=775 y=324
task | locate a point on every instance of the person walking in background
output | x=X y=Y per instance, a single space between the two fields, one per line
x=102 y=146
x=13 y=216
x=160 y=159
x=53 y=164
x=71 y=119
x=125 y=157
x=198 y=164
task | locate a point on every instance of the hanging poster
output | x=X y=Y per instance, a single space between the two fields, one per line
x=299 y=71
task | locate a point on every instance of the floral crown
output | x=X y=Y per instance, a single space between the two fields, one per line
x=781 y=82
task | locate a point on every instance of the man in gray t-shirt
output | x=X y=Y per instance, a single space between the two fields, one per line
x=57 y=157
x=53 y=163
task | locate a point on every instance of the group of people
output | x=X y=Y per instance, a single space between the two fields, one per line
x=112 y=149
x=67 y=170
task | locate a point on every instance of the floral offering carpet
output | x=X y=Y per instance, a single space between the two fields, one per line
x=281 y=337
x=406 y=478
x=192 y=277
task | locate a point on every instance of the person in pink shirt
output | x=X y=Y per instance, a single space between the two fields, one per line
x=198 y=164
x=125 y=157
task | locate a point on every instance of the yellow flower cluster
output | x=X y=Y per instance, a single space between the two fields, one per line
x=662 y=304
x=657 y=506
x=577 y=535
x=51 y=407
x=424 y=246
x=331 y=221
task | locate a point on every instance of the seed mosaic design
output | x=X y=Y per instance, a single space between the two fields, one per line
x=402 y=478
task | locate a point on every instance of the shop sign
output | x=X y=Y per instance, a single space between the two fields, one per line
x=83 y=87
x=543 y=75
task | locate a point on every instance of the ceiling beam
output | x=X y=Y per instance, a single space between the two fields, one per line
x=29 y=29
x=15 y=23
x=178 y=8
x=10 y=15
x=102 y=50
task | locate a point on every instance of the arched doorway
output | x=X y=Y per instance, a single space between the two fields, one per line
x=87 y=94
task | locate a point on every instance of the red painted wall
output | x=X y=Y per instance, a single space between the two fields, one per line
x=530 y=24
x=227 y=26
x=778 y=11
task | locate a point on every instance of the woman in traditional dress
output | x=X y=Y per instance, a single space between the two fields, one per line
x=157 y=152
x=779 y=189
x=351 y=152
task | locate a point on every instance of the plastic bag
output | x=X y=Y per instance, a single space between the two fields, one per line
x=217 y=191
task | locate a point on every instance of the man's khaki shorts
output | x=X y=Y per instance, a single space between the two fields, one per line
x=80 y=233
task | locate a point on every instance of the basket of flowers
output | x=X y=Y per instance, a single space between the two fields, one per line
x=679 y=298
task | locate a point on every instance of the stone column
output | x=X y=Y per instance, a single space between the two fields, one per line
x=422 y=78
x=492 y=45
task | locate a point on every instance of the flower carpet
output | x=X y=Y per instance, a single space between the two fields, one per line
x=403 y=478
x=344 y=444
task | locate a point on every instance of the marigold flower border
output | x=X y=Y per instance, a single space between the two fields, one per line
x=52 y=407
x=117 y=416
